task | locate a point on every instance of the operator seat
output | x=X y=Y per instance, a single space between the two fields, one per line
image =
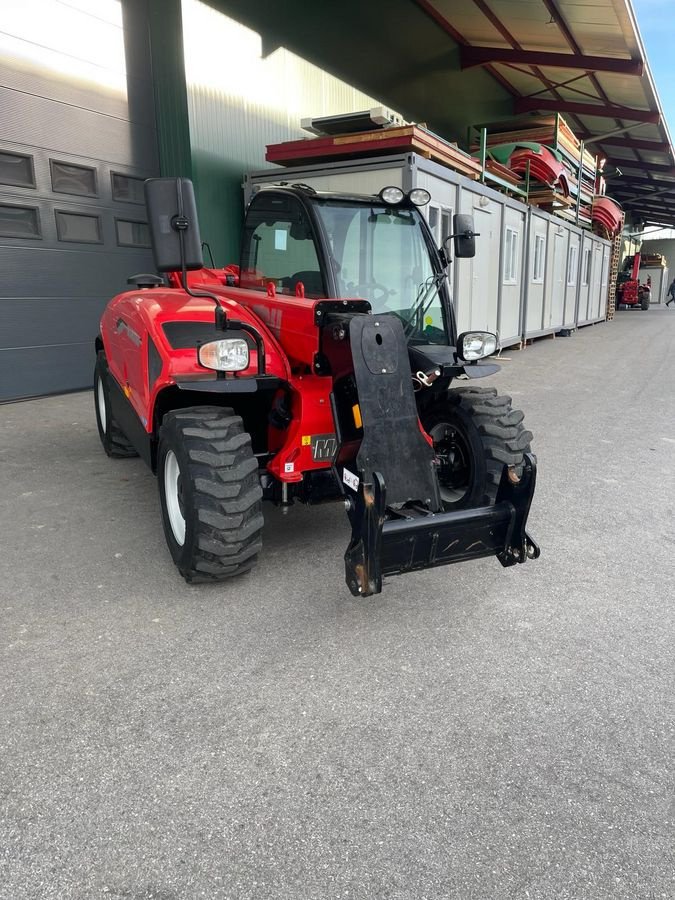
x=312 y=281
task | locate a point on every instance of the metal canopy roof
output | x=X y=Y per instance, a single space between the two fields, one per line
x=454 y=63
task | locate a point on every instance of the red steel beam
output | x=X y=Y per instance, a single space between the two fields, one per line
x=525 y=105
x=557 y=17
x=479 y=56
x=443 y=23
x=496 y=22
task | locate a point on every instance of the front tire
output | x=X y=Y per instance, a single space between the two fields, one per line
x=209 y=492
x=476 y=432
x=645 y=301
x=113 y=439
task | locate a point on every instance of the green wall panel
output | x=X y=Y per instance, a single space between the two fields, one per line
x=239 y=101
x=168 y=70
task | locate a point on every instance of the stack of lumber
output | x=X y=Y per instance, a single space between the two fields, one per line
x=652 y=259
x=398 y=139
x=504 y=172
x=553 y=131
x=579 y=176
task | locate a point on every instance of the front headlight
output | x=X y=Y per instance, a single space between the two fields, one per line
x=228 y=355
x=473 y=345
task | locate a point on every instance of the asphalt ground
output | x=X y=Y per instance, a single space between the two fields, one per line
x=472 y=732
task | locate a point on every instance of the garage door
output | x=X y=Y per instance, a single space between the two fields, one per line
x=72 y=163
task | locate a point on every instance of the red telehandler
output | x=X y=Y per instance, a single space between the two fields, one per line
x=629 y=291
x=274 y=380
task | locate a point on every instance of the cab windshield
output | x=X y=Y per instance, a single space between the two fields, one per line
x=380 y=253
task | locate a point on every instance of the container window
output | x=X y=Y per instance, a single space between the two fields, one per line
x=19 y=221
x=78 y=227
x=132 y=234
x=17 y=169
x=539 y=259
x=126 y=189
x=572 y=257
x=586 y=276
x=434 y=221
x=446 y=223
x=510 y=256
x=71 y=179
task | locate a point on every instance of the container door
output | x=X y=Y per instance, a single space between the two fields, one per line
x=604 y=282
x=483 y=283
x=571 y=280
x=534 y=316
x=556 y=308
x=596 y=281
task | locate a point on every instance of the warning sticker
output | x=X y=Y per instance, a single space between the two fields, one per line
x=289 y=467
x=306 y=440
x=350 y=480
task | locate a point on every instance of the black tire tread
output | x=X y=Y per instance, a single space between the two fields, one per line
x=503 y=436
x=117 y=445
x=504 y=439
x=227 y=492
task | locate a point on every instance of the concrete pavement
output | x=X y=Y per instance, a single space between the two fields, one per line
x=472 y=733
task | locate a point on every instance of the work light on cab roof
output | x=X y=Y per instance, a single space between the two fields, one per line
x=392 y=196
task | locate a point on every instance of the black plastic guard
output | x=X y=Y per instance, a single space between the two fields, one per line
x=392 y=542
x=392 y=443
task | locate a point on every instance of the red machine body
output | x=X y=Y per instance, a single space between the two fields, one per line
x=629 y=291
x=281 y=319
x=339 y=398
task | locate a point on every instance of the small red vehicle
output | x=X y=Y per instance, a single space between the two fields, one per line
x=629 y=291
x=274 y=380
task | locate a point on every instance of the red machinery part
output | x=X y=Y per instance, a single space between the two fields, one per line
x=607 y=213
x=543 y=165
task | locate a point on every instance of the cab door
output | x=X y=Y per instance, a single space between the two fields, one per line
x=279 y=246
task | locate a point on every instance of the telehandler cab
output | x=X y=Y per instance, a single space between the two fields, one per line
x=274 y=380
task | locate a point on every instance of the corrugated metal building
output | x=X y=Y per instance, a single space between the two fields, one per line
x=96 y=95
x=80 y=134
x=75 y=146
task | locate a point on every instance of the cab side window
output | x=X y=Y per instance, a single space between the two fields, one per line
x=279 y=247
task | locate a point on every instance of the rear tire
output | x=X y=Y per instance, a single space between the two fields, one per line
x=209 y=492
x=113 y=439
x=475 y=432
x=645 y=302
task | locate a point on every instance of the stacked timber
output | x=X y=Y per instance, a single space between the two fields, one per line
x=398 y=139
x=563 y=175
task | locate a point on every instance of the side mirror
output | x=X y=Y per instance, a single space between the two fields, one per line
x=464 y=236
x=174 y=227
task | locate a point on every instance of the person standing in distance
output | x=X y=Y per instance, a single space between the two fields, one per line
x=671 y=293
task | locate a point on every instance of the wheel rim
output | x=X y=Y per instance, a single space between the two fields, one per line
x=173 y=494
x=455 y=469
x=100 y=402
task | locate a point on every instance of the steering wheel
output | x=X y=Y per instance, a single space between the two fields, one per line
x=368 y=291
